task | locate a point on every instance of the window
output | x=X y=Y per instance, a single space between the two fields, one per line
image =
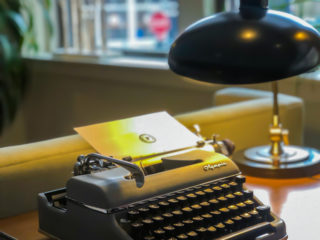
x=95 y=26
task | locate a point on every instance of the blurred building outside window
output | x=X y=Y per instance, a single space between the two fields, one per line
x=99 y=27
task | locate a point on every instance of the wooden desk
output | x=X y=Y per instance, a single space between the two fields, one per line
x=296 y=201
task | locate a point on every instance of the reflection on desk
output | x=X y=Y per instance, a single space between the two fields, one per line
x=296 y=201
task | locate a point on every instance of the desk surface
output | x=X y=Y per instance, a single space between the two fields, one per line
x=295 y=200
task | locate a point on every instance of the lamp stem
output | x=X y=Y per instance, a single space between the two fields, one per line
x=275 y=91
x=276 y=130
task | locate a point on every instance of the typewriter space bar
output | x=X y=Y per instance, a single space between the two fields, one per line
x=261 y=231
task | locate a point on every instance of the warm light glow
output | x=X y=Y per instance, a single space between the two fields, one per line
x=248 y=34
x=301 y=36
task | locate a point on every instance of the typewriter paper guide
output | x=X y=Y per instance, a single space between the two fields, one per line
x=138 y=136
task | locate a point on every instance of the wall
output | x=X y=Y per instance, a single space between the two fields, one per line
x=63 y=95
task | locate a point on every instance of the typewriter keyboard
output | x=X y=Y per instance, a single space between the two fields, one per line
x=205 y=211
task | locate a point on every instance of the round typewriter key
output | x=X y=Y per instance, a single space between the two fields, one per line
x=249 y=205
x=240 y=179
x=149 y=238
x=144 y=211
x=241 y=206
x=217 y=190
x=137 y=230
x=211 y=231
x=234 y=210
x=170 y=230
x=201 y=232
x=247 y=218
x=239 y=196
x=180 y=227
x=172 y=238
x=196 y=208
x=207 y=219
x=208 y=192
x=182 y=236
x=188 y=223
x=264 y=212
x=177 y=215
x=222 y=201
x=158 y=221
x=225 y=188
x=187 y=212
x=164 y=206
x=217 y=216
x=229 y=225
x=225 y=213
x=154 y=208
x=159 y=233
x=183 y=201
x=192 y=235
x=168 y=217
x=197 y=221
x=133 y=215
x=206 y=206
x=214 y=203
x=231 y=198
x=221 y=228
x=234 y=186
x=173 y=203
x=248 y=194
x=200 y=194
x=255 y=215
x=148 y=223
x=237 y=222
x=191 y=197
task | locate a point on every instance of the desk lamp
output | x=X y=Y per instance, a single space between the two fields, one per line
x=253 y=45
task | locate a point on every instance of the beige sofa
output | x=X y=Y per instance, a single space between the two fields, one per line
x=241 y=115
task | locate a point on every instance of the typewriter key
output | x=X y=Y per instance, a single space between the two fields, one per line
x=197 y=221
x=168 y=218
x=206 y=206
x=231 y=198
x=221 y=228
x=240 y=179
x=196 y=209
x=133 y=215
x=264 y=212
x=214 y=203
x=234 y=210
x=182 y=236
x=183 y=201
x=208 y=192
x=164 y=206
x=170 y=230
x=225 y=188
x=229 y=225
x=192 y=198
x=242 y=207
x=237 y=222
x=159 y=233
x=217 y=190
x=180 y=227
x=247 y=218
x=192 y=235
x=149 y=238
x=154 y=208
x=208 y=218
x=202 y=232
x=144 y=211
x=234 y=186
x=188 y=223
x=249 y=205
x=158 y=221
x=239 y=196
x=200 y=195
x=217 y=216
x=187 y=212
x=211 y=231
x=222 y=201
x=255 y=216
x=173 y=203
x=225 y=213
x=177 y=215
x=248 y=194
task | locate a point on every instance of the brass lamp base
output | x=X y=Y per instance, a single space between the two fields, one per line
x=294 y=162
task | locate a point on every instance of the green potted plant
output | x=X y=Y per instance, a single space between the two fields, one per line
x=12 y=71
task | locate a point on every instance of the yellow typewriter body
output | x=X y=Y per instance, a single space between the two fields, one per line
x=156 y=188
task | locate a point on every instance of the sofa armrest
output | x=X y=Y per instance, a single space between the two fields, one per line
x=28 y=169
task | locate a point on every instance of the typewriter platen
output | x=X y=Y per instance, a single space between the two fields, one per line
x=190 y=192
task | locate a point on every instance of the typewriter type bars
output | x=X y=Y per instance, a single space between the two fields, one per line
x=218 y=210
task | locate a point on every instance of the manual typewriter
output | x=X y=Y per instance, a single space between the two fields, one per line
x=186 y=192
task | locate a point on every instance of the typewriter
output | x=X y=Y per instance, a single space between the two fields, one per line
x=187 y=192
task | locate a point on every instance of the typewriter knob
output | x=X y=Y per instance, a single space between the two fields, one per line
x=264 y=211
x=240 y=179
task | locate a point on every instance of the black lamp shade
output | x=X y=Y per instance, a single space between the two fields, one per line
x=250 y=46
